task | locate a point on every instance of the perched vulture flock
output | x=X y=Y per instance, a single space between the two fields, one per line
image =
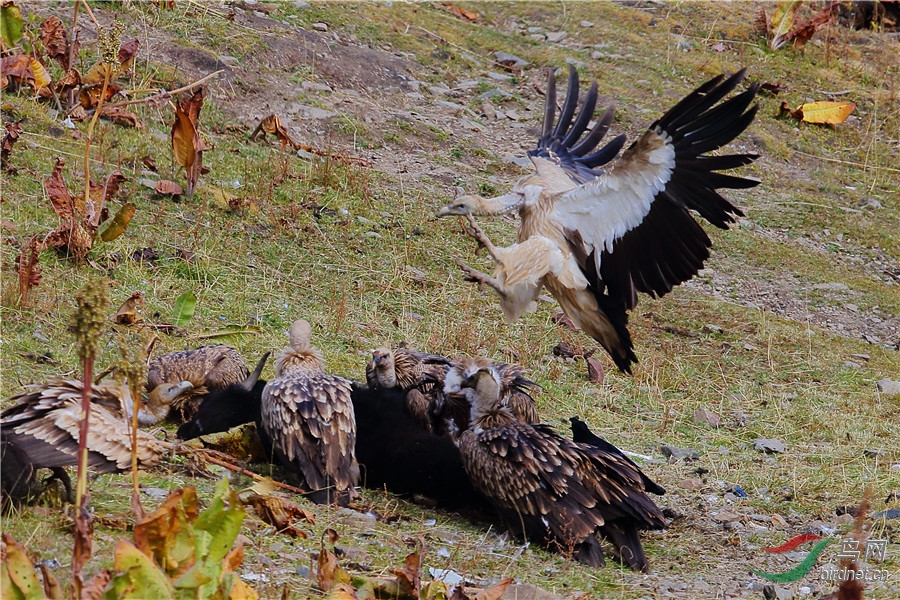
x=463 y=431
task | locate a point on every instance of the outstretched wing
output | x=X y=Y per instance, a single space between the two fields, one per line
x=312 y=427
x=634 y=219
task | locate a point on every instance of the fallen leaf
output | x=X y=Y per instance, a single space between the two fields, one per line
x=56 y=190
x=129 y=312
x=149 y=162
x=95 y=587
x=13 y=131
x=328 y=573
x=187 y=146
x=802 y=33
x=461 y=12
x=52 y=589
x=185 y=305
x=773 y=88
x=121 y=116
x=98 y=73
x=272 y=124
x=56 y=40
x=119 y=223
x=168 y=188
x=280 y=513
x=89 y=95
x=410 y=577
x=69 y=81
x=495 y=591
x=828 y=113
x=17 y=576
x=28 y=269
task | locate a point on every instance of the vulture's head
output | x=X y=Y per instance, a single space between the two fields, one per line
x=385 y=372
x=300 y=334
x=156 y=406
x=486 y=384
x=463 y=205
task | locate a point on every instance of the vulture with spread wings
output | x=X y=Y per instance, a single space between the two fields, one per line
x=595 y=232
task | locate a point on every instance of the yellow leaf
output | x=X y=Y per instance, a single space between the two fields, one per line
x=782 y=21
x=264 y=487
x=119 y=223
x=242 y=591
x=222 y=198
x=17 y=576
x=98 y=73
x=41 y=76
x=830 y=113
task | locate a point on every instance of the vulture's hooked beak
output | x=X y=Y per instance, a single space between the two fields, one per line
x=167 y=392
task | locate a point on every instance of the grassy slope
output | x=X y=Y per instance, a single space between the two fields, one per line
x=274 y=260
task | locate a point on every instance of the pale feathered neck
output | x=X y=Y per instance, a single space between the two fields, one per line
x=498 y=205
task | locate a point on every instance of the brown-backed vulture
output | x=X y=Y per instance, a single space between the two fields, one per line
x=514 y=393
x=208 y=368
x=551 y=490
x=42 y=428
x=418 y=375
x=594 y=236
x=308 y=416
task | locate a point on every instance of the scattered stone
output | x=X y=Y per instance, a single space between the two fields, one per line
x=863 y=357
x=563 y=349
x=505 y=58
x=315 y=86
x=851 y=365
x=416 y=275
x=576 y=63
x=675 y=454
x=749 y=347
x=412 y=316
x=512 y=115
x=769 y=446
x=227 y=60
x=833 y=286
x=776 y=592
x=711 y=328
x=870 y=203
x=320 y=26
x=535 y=29
x=704 y=415
x=595 y=370
x=891 y=513
x=372 y=234
x=155 y=493
x=586 y=24
x=498 y=76
x=556 y=36
x=301 y=4
x=450 y=106
x=888 y=386
x=521 y=161
x=488 y=110
x=691 y=484
x=725 y=516
x=526 y=591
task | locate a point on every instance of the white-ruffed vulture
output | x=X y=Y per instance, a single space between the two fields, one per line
x=208 y=368
x=595 y=231
x=418 y=375
x=43 y=426
x=551 y=490
x=514 y=393
x=308 y=416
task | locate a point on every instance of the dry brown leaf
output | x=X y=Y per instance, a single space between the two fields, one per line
x=127 y=52
x=802 y=33
x=59 y=194
x=782 y=21
x=272 y=124
x=98 y=73
x=409 y=577
x=17 y=69
x=89 y=95
x=56 y=41
x=187 y=146
x=69 y=81
x=343 y=591
x=52 y=589
x=281 y=513
x=461 y=12
x=234 y=558
x=96 y=585
x=495 y=591
x=327 y=569
x=13 y=131
x=28 y=269
x=121 y=116
x=168 y=188
x=149 y=162
x=129 y=312
x=826 y=113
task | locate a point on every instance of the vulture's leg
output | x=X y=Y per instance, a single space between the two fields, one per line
x=482 y=279
x=483 y=242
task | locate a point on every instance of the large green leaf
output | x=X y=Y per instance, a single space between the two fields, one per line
x=10 y=24
x=184 y=308
x=17 y=577
x=137 y=576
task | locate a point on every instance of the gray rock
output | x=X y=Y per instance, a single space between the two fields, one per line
x=498 y=76
x=833 y=286
x=586 y=24
x=769 y=446
x=315 y=86
x=451 y=106
x=320 y=26
x=674 y=454
x=891 y=513
x=506 y=57
x=776 y=592
x=888 y=386
x=870 y=203
x=576 y=63
x=556 y=36
x=535 y=29
x=711 y=328
x=704 y=415
x=300 y=4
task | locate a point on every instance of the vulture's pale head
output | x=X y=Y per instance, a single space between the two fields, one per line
x=463 y=205
x=486 y=383
x=300 y=334
x=385 y=371
x=156 y=406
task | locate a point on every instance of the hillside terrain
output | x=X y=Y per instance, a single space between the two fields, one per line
x=791 y=333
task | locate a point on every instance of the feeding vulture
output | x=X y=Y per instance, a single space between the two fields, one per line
x=308 y=416
x=551 y=490
x=593 y=236
x=514 y=393
x=416 y=374
x=208 y=368
x=43 y=426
